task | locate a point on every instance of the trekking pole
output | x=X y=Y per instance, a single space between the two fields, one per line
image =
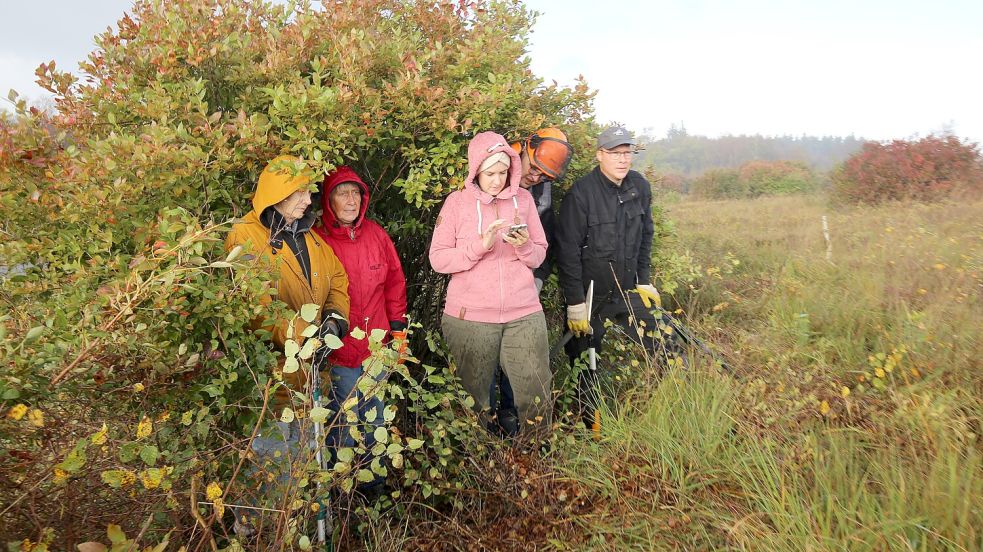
x=324 y=518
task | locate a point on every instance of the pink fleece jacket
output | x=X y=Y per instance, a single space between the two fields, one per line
x=493 y=285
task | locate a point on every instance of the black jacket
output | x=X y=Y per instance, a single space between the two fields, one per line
x=604 y=233
x=542 y=193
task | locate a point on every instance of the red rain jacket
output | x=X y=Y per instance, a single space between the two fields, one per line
x=376 y=284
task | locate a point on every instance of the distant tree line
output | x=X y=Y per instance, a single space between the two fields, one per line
x=691 y=156
x=852 y=170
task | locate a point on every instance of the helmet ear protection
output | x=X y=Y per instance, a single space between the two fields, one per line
x=550 y=155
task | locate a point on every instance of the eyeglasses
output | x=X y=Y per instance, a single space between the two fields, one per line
x=619 y=154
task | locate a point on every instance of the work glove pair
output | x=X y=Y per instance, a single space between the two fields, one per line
x=578 y=319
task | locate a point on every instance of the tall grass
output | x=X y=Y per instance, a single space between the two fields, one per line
x=851 y=418
x=682 y=470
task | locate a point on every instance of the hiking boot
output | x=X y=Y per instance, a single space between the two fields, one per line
x=508 y=421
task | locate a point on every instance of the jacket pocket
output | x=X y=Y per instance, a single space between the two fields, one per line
x=634 y=220
x=520 y=289
x=602 y=236
x=376 y=274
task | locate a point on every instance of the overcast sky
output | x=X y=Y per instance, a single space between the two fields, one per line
x=880 y=69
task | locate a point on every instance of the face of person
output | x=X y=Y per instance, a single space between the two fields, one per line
x=292 y=208
x=531 y=175
x=494 y=179
x=346 y=202
x=615 y=162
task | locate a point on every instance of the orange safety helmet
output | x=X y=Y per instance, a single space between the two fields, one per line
x=548 y=151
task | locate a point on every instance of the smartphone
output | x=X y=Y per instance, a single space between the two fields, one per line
x=516 y=227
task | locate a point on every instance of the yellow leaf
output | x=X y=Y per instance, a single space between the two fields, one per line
x=61 y=476
x=17 y=412
x=151 y=478
x=99 y=437
x=145 y=427
x=36 y=418
x=137 y=387
x=214 y=491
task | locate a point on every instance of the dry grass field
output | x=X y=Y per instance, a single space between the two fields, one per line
x=850 y=416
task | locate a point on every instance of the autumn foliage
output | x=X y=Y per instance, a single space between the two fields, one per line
x=755 y=179
x=124 y=334
x=929 y=169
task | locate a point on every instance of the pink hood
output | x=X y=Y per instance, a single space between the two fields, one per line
x=482 y=146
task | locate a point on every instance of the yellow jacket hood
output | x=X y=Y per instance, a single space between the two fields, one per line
x=283 y=176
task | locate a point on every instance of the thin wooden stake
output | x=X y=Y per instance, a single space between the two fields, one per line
x=829 y=242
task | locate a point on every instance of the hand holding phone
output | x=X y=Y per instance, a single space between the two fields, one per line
x=515 y=234
x=515 y=228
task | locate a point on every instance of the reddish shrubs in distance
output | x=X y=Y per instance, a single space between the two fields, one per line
x=929 y=169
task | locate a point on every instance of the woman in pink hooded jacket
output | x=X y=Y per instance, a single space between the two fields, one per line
x=489 y=239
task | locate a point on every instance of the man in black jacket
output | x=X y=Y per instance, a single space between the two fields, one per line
x=604 y=234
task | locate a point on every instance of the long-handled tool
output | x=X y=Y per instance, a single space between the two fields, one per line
x=592 y=364
x=682 y=331
x=324 y=518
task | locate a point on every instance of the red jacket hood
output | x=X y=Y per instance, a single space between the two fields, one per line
x=480 y=148
x=332 y=180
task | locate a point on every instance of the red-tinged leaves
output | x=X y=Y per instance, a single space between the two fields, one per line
x=928 y=169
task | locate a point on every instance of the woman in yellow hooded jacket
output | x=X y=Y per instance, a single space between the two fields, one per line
x=303 y=268
x=276 y=237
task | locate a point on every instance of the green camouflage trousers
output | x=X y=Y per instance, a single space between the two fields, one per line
x=521 y=348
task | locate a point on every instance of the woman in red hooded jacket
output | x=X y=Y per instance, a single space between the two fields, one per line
x=377 y=288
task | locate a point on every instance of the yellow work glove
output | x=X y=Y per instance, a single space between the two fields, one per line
x=577 y=319
x=649 y=295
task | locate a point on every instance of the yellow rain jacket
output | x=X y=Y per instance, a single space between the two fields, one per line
x=328 y=287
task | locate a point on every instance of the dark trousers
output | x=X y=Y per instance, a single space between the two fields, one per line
x=506 y=414
x=641 y=326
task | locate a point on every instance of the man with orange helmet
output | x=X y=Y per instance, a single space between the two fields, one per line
x=545 y=155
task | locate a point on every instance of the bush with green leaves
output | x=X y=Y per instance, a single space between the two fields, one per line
x=130 y=380
x=755 y=179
